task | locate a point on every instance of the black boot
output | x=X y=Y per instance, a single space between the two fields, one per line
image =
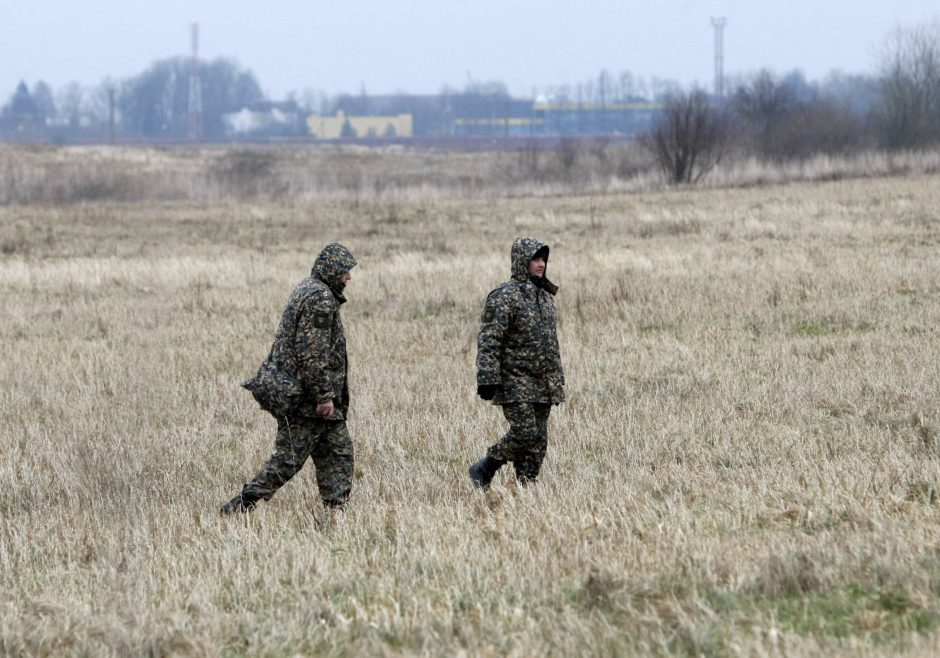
x=237 y=505
x=483 y=471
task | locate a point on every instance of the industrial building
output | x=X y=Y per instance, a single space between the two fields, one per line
x=476 y=115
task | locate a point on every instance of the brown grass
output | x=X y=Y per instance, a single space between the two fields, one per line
x=389 y=176
x=747 y=463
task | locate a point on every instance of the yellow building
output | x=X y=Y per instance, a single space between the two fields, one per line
x=366 y=127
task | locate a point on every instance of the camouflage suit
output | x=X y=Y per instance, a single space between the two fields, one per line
x=309 y=359
x=517 y=353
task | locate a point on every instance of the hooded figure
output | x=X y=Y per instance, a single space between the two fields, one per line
x=518 y=362
x=302 y=383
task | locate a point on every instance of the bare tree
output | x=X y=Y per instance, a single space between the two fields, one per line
x=156 y=102
x=821 y=126
x=762 y=104
x=688 y=137
x=782 y=118
x=70 y=100
x=910 y=87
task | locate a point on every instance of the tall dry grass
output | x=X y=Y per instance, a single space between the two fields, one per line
x=56 y=175
x=747 y=463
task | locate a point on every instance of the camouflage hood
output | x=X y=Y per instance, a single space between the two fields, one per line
x=523 y=250
x=333 y=262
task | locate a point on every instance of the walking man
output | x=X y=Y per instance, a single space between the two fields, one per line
x=518 y=363
x=303 y=384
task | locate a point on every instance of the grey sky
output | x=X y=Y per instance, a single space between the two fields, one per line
x=419 y=46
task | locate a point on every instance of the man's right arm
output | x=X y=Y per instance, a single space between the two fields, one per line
x=497 y=314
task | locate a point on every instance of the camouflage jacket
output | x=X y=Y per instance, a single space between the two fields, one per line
x=310 y=345
x=517 y=347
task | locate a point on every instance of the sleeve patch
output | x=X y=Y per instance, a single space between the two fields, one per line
x=321 y=320
x=488 y=314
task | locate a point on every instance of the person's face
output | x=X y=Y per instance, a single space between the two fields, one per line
x=345 y=277
x=537 y=266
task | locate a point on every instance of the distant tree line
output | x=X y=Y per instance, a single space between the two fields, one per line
x=153 y=105
x=156 y=103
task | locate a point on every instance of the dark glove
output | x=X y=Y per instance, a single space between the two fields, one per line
x=487 y=391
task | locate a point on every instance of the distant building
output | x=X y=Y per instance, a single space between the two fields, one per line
x=443 y=116
x=343 y=126
x=494 y=115
x=619 y=118
x=431 y=115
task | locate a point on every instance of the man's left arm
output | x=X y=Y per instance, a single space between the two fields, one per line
x=314 y=327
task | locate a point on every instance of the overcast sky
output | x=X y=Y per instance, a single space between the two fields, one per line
x=419 y=46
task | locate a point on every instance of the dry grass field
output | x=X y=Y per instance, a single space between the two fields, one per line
x=748 y=462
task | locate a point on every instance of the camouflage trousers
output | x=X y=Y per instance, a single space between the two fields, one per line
x=326 y=442
x=527 y=439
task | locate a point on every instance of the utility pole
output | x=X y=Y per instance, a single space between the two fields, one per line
x=194 y=131
x=719 y=25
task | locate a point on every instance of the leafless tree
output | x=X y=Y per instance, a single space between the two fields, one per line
x=688 y=137
x=783 y=118
x=910 y=87
x=71 y=100
x=762 y=103
x=822 y=126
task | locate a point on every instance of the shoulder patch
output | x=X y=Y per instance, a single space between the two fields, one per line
x=321 y=320
x=488 y=314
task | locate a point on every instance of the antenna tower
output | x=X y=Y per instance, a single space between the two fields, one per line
x=719 y=25
x=195 y=89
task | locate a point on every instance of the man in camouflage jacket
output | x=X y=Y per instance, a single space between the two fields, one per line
x=518 y=363
x=308 y=393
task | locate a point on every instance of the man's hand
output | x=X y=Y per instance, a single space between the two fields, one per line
x=325 y=409
x=487 y=391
